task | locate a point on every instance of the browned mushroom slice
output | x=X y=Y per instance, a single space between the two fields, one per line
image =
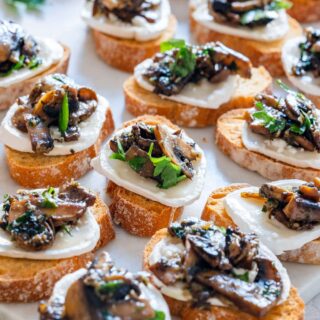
x=87 y=94
x=230 y=57
x=270 y=191
x=84 y=111
x=41 y=140
x=254 y=298
x=19 y=120
x=246 y=5
x=211 y=250
x=179 y=151
x=310 y=192
x=66 y=213
x=300 y=209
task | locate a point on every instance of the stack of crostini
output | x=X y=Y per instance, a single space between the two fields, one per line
x=131 y=209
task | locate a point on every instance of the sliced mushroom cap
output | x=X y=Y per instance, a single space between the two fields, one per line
x=87 y=94
x=177 y=149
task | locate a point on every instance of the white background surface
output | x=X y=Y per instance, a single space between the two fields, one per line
x=60 y=19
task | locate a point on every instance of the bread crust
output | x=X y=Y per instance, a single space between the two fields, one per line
x=138 y=215
x=267 y=54
x=23 y=280
x=35 y=171
x=139 y=101
x=291 y=309
x=9 y=94
x=229 y=141
x=125 y=54
x=134 y=213
x=305 y=10
x=214 y=211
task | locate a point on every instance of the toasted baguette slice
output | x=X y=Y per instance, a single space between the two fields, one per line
x=125 y=54
x=24 y=280
x=33 y=171
x=291 y=309
x=9 y=94
x=214 y=211
x=305 y=10
x=260 y=53
x=140 y=101
x=229 y=140
x=139 y=215
x=134 y=213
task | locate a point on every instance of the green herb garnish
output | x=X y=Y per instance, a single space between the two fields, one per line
x=30 y=4
x=269 y=122
x=243 y=277
x=109 y=286
x=137 y=163
x=65 y=228
x=120 y=155
x=280 y=5
x=160 y=315
x=19 y=65
x=49 y=199
x=34 y=63
x=185 y=60
x=64 y=114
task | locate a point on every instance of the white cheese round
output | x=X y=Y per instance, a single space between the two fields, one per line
x=169 y=247
x=290 y=56
x=89 y=132
x=82 y=239
x=247 y=214
x=139 y=30
x=51 y=52
x=273 y=31
x=203 y=94
x=279 y=150
x=149 y=292
x=184 y=193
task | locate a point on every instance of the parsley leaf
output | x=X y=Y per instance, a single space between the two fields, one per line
x=160 y=315
x=269 y=122
x=65 y=228
x=120 y=155
x=172 y=44
x=243 y=277
x=34 y=63
x=31 y=4
x=48 y=198
x=137 y=163
x=280 y=4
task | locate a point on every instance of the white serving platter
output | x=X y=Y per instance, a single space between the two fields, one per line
x=60 y=19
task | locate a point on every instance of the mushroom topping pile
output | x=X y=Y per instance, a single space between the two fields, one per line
x=105 y=292
x=296 y=208
x=17 y=49
x=249 y=13
x=127 y=10
x=56 y=101
x=156 y=152
x=179 y=64
x=309 y=54
x=33 y=218
x=221 y=263
x=293 y=119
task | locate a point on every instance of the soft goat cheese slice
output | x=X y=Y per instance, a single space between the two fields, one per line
x=84 y=237
x=149 y=292
x=89 y=133
x=273 y=31
x=51 y=52
x=247 y=214
x=139 y=30
x=170 y=247
x=279 y=150
x=203 y=94
x=290 y=56
x=184 y=193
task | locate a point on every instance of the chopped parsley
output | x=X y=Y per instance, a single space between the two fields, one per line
x=49 y=200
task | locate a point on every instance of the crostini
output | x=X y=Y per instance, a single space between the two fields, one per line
x=127 y=32
x=45 y=234
x=25 y=59
x=104 y=291
x=209 y=272
x=301 y=61
x=283 y=214
x=305 y=10
x=278 y=137
x=52 y=134
x=154 y=170
x=258 y=29
x=193 y=85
